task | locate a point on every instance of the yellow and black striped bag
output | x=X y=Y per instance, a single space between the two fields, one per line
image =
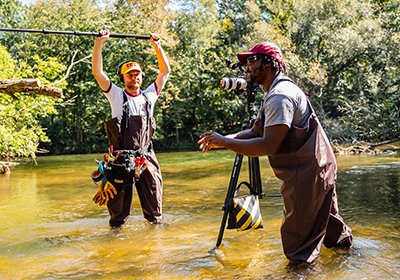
x=245 y=212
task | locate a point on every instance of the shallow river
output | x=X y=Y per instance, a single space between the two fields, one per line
x=51 y=229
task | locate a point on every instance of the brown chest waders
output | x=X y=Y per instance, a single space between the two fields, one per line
x=132 y=134
x=307 y=166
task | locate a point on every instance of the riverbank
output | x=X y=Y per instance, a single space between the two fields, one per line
x=355 y=148
x=358 y=147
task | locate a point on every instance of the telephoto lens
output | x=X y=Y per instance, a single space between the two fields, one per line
x=233 y=83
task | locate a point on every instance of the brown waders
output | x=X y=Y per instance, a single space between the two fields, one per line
x=134 y=133
x=307 y=166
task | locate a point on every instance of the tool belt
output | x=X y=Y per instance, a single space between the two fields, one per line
x=122 y=167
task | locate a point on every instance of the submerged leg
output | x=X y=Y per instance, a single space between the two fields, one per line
x=338 y=234
x=150 y=191
x=120 y=206
x=305 y=220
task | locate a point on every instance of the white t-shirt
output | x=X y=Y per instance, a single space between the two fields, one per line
x=137 y=104
x=285 y=104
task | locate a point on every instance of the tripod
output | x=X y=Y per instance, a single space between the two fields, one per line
x=253 y=164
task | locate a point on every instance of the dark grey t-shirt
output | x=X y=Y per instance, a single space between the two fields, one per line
x=285 y=104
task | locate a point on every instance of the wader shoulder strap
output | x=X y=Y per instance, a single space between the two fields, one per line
x=148 y=103
x=296 y=137
x=148 y=109
x=125 y=115
x=282 y=78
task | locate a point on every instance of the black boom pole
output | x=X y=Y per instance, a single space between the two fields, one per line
x=76 y=33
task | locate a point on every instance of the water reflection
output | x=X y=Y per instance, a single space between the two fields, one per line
x=50 y=228
x=374 y=189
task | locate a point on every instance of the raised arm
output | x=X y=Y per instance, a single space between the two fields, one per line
x=163 y=64
x=97 y=61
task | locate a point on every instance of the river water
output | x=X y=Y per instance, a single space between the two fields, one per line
x=51 y=229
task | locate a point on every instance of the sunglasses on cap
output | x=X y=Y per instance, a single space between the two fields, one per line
x=252 y=57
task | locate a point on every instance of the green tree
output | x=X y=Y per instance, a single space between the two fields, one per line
x=76 y=127
x=345 y=68
x=343 y=53
x=238 y=18
x=200 y=62
x=20 y=129
x=10 y=12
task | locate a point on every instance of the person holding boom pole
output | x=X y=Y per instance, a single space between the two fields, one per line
x=132 y=157
x=288 y=131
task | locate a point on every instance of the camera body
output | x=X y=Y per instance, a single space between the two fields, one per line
x=240 y=86
x=237 y=84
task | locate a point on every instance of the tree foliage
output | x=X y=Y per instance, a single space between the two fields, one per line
x=357 y=65
x=343 y=53
x=20 y=128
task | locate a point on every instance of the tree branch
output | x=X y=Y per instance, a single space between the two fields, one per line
x=29 y=86
x=73 y=62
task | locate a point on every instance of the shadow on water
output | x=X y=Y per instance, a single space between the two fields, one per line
x=50 y=228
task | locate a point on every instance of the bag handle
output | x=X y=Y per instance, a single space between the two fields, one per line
x=247 y=184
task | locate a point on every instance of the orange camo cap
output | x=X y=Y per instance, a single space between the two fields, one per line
x=130 y=66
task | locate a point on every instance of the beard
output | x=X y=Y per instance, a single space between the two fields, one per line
x=256 y=75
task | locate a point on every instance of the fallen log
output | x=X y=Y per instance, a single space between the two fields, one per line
x=391 y=141
x=29 y=86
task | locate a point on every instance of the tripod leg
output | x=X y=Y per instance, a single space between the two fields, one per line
x=254 y=174
x=229 y=196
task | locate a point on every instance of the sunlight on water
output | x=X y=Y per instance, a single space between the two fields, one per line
x=51 y=229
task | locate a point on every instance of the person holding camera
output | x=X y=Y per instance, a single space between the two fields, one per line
x=288 y=131
x=130 y=133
